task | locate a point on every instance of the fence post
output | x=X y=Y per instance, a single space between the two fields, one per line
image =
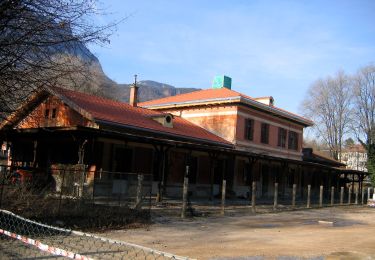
x=349 y=195
x=332 y=195
x=356 y=196
x=342 y=196
x=308 y=195
x=275 y=195
x=253 y=195
x=363 y=196
x=184 y=197
x=138 y=203
x=294 y=195
x=321 y=196
x=223 y=189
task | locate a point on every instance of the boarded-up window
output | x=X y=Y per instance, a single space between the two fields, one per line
x=264 y=134
x=249 y=129
x=53 y=113
x=293 y=140
x=46 y=114
x=282 y=138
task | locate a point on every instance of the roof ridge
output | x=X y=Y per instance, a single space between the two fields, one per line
x=160 y=100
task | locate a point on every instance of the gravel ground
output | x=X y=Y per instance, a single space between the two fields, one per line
x=327 y=233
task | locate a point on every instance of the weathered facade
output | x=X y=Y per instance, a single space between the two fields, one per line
x=254 y=127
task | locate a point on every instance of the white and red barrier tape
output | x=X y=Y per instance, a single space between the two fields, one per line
x=44 y=247
x=78 y=233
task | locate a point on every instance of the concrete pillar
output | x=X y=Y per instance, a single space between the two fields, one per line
x=253 y=196
x=332 y=195
x=321 y=196
x=138 y=202
x=363 y=196
x=184 y=197
x=342 y=196
x=356 y=196
x=294 y=195
x=223 y=190
x=349 y=195
x=308 y=195
x=275 y=196
x=368 y=193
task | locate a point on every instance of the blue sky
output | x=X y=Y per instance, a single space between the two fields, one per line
x=273 y=48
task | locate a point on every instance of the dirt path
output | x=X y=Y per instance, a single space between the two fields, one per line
x=297 y=233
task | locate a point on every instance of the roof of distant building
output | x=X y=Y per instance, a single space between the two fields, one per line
x=355 y=148
x=309 y=155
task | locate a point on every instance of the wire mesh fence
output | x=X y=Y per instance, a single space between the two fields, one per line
x=77 y=198
x=25 y=239
x=75 y=183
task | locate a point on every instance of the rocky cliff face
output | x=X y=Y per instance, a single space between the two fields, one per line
x=101 y=84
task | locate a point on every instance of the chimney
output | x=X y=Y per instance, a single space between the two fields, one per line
x=134 y=93
x=222 y=82
x=269 y=101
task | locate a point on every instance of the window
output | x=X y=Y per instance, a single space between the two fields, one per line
x=46 y=114
x=282 y=138
x=264 y=133
x=293 y=140
x=249 y=129
x=53 y=113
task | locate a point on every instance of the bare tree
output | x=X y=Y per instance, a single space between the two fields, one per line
x=328 y=103
x=364 y=112
x=43 y=44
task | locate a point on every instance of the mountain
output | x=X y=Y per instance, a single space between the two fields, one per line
x=99 y=83
x=93 y=79
x=149 y=90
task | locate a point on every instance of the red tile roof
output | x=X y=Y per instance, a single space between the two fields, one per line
x=216 y=94
x=193 y=96
x=124 y=114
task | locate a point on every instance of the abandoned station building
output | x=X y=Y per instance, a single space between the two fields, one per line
x=219 y=133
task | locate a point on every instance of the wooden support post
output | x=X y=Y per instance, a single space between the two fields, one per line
x=138 y=203
x=294 y=195
x=321 y=196
x=275 y=196
x=349 y=195
x=223 y=189
x=342 y=196
x=253 y=196
x=184 y=197
x=356 y=196
x=363 y=196
x=332 y=195
x=308 y=195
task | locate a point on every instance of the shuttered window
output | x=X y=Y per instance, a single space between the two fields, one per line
x=293 y=140
x=264 y=134
x=282 y=138
x=249 y=129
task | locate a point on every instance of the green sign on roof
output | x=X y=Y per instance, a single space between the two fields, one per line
x=222 y=82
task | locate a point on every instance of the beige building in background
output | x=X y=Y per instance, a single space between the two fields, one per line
x=355 y=158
